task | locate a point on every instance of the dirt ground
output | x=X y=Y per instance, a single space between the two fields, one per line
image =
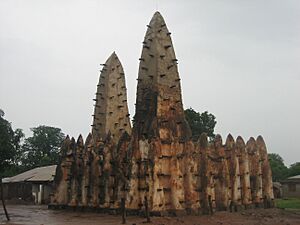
x=40 y=215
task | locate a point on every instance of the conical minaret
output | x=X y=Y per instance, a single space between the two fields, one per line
x=158 y=92
x=161 y=136
x=158 y=168
x=111 y=110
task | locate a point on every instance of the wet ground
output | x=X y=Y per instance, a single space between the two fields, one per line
x=37 y=215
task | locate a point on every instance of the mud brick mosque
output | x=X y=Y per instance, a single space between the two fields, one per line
x=155 y=161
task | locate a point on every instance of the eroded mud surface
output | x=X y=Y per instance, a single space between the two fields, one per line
x=37 y=215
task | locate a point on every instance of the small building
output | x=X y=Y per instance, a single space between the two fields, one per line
x=34 y=185
x=291 y=187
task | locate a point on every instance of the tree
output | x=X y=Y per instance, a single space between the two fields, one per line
x=42 y=148
x=294 y=169
x=1 y=113
x=7 y=150
x=279 y=170
x=200 y=123
x=9 y=147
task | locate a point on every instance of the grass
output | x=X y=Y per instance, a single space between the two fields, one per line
x=288 y=203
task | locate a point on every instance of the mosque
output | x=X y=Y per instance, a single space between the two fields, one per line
x=154 y=164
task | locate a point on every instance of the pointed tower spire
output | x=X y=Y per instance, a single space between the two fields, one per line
x=111 y=110
x=158 y=92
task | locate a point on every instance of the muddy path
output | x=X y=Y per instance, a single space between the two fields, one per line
x=40 y=215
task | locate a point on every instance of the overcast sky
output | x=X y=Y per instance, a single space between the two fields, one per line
x=237 y=59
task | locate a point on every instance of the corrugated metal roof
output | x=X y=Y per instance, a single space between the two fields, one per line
x=294 y=177
x=39 y=174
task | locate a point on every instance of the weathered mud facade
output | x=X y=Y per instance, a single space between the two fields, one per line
x=91 y=173
x=157 y=166
x=111 y=110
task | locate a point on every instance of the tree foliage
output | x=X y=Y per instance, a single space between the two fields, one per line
x=294 y=169
x=42 y=148
x=9 y=146
x=200 y=122
x=279 y=170
x=7 y=150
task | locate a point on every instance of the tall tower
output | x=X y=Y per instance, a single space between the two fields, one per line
x=111 y=110
x=159 y=110
x=158 y=167
x=161 y=135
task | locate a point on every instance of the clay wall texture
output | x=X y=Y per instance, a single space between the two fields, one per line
x=157 y=166
x=111 y=110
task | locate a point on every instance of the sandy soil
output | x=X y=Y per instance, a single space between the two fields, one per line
x=37 y=215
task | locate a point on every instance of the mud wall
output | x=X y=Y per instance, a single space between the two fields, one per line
x=157 y=166
x=201 y=178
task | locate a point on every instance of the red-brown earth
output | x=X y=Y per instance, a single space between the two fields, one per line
x=38 y=215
